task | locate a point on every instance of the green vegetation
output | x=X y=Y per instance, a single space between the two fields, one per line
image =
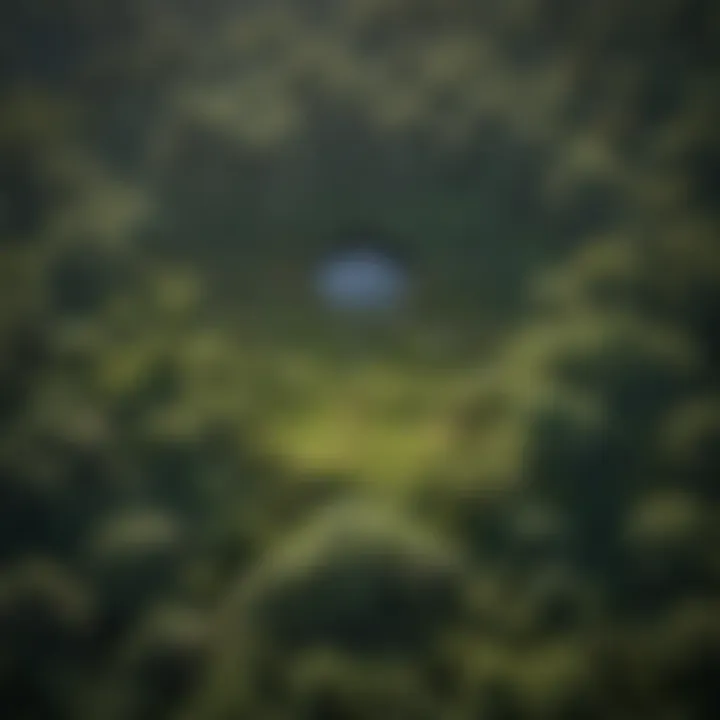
x=219 y=500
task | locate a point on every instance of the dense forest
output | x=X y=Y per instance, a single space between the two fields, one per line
x=221 y=499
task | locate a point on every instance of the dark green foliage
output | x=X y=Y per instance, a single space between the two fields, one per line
x=46 y=626
x=357 y=580
x=156 y=669
x=218 y=502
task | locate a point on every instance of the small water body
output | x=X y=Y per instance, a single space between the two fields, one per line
x=362 y=280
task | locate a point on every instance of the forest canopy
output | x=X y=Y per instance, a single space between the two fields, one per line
x=221 y=498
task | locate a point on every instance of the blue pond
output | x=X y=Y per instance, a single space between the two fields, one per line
x=362 y=280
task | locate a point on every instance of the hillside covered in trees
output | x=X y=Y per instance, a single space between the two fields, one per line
x=221 y=499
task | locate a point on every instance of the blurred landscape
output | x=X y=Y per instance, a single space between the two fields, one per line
x=222 y=500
